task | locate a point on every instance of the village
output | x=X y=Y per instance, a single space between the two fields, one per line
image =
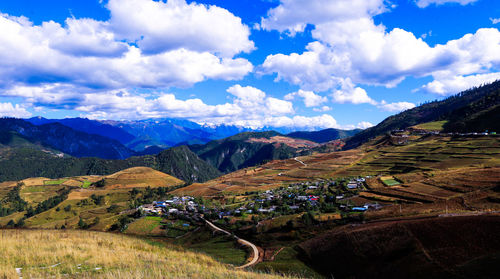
x=325 y=196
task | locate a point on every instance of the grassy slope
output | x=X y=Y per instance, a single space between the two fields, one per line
x=103 y=255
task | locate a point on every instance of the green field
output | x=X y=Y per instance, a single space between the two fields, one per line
x=391 y=182
x=287 y=262
x=223 y=249
x=86 y=184
x=144 y=226
x=431 y=126
x=54 y=182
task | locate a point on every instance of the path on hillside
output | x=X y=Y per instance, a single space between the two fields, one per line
x=300 y=161
x=241 y=241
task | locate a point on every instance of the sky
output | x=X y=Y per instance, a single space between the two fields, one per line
x=299 y=64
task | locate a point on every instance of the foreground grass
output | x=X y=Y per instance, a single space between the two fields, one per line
x=86 y=254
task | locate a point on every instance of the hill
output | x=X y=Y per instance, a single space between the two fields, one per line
x=65 y=139
x=248 y=149
x=85 y=254
x=378 y=157
x=474 y=110
x=140 y=177
x=453 y=247
x=182 y=163
x=21 y=163
x=325 y=135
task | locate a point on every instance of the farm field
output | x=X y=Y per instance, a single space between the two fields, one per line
x=431 y=126
x=426 y=154
x=148 y=225
x=79 y=203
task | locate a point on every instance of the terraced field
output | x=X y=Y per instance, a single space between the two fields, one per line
x=425 y=154
x=79 y=203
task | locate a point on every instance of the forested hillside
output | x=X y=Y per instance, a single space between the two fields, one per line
x=474 y=110
x=237 y=152
x=20 y=163
x=65 y=139
x=325 y=135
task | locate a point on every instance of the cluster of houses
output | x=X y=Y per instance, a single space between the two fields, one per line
x=175 y=205
x=295 y=197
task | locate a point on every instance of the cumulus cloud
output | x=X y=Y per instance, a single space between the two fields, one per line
x=294 y=15
x=354 y=47
x=100 y=54
x=456 y=84
x=395 y=107
x=158 y=26
x=495 y=20
x=425 y=3
x=349 y=93
x=250 y=107
x=10 y=110
x=310 y=98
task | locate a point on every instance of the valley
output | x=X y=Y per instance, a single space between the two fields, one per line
x=417 y=195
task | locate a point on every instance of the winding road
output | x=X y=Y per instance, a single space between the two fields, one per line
x=300 y=161
x=241 y=241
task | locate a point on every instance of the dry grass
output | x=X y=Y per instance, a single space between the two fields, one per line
x=140 y=177
x=85 y=254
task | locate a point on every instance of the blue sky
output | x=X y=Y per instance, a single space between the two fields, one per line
x=301 y=64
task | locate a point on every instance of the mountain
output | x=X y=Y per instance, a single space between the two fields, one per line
x=246 y=149
x=182 y=163
x=88 y=126
x=325 y=135
x=474 y=110
x=171 y=132
x=65 y=139
x=24 y=162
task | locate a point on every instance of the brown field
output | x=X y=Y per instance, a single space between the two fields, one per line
x=295 y=143
x=34 y=181
x=275 y=174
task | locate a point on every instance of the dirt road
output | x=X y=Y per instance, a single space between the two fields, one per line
x=255 y=253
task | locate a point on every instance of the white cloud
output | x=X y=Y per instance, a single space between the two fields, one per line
x=348 y=93
x=294 y=15
x=247 y=94
x=395 y=107
x=90 y=53
x=495 y=20
x=456 y=84
x=84 y=37
x=425 y=3
x=354 y=47
x=322 y=109
x=310 y=98
x=364 y=125
x=9 y=110
x=157 y=26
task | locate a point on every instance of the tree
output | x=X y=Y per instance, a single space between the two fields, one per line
x=82 y=225
x=11 y=223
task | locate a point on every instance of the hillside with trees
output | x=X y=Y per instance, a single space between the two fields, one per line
x=474 y=110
